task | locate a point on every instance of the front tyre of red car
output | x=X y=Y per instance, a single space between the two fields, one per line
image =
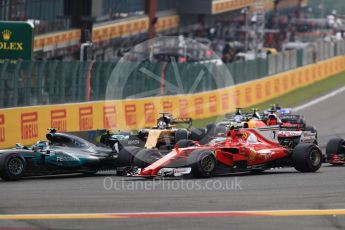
x=203 y=163
x=307 y=158
x=12 y=167
x=335 y=147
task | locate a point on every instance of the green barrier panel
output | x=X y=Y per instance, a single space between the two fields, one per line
x=262 y=68
x=27 y=84
x=299 y=58
x=50 y=81
x=3 y=69
x=62 y=85
x=42 y=96
x=95 y=81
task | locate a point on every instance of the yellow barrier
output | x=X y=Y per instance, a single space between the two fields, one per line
x=28 y=124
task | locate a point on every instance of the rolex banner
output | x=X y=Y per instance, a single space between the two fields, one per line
x=16 y=40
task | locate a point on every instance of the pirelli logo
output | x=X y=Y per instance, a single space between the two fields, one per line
x=59 y=119
x=29 y=125
x=277 y=86
x=109 y=117
x=212 y=104
x=225 y=102
x=183 y=108
x=2 y=128
x=168 y=107
x=258 y=94
x=268 y=89
x=149 y=109
x=130 y=113
x=237 y=98
x=86 y=118
x=248 y=95
x=199 y=103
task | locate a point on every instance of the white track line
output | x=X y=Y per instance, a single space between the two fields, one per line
x=317 y=100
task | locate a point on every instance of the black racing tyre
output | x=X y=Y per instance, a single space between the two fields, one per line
x=203 y=163
x=307 y=157
x=181 y=134
x=335 y=146
x=220 y=130
x=197 y=134
x=210 y=129
x=185 y=143
x=146 y=157
x=12 y=166
x=302 y=121
x=209 y=135
x=310 y=129
x=126 y=156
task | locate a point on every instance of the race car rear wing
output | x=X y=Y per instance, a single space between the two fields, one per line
x=182 y=120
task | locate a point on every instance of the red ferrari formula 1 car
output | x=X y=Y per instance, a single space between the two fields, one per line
x=242 y=150
x=335 y=151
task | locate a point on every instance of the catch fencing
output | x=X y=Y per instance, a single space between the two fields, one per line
x=28 y=83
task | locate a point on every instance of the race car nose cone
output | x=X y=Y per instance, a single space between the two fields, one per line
x=146 y=172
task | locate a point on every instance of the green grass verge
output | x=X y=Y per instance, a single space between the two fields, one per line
x=292 y=98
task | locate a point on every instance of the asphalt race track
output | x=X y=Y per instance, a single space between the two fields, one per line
x=307 y=201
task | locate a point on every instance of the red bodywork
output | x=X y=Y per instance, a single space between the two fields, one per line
x=293 y=126
x=245 y=145
x=337 y=159
x=293 y=122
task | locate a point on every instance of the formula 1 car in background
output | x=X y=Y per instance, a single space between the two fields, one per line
x=335 y=151
x=243 y=150
x=163 y=136
x=286 y=119
x=282 y=118
x=61 y=154
x=245 y=120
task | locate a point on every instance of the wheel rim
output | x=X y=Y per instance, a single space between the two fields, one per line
x=207 y=164
x=15 y=166
x=315 y=157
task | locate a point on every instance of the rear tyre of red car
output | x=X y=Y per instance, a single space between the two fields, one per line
x=12 y=167
x=203 y=163
x=127 y=155
x=307 y=158
x=181 y=134
x=335 y=147
x=185 y=143
x=311 y=129
x=197 y=134
x=145 y=157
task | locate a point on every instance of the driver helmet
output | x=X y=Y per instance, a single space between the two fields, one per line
x=162 y=125
x=278 y=107
x=238 y=118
